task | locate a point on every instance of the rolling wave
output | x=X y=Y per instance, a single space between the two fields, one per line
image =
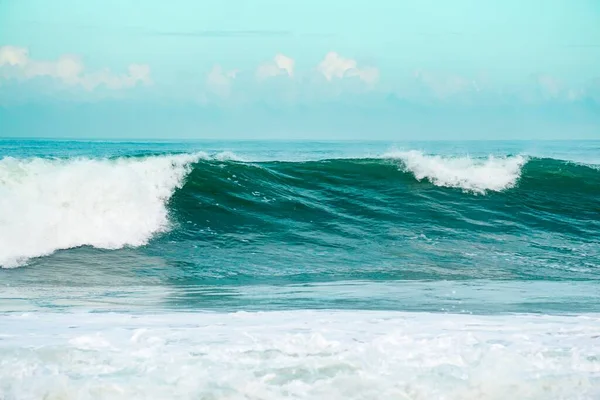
x=475 y=175
x=52 y=204
x=46 y=205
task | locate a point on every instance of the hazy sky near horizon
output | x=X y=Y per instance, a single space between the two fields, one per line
x=377 y=69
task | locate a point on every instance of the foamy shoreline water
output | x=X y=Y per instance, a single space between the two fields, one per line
x=299 y=354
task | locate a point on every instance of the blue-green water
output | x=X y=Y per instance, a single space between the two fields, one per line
x=204 y=223
x=501 y=237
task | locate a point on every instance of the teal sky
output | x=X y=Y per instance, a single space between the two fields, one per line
x=397 y=69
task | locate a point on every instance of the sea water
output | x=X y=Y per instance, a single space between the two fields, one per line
x=267 y=270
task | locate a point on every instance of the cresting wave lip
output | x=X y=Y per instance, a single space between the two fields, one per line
x=47 y=205
x=470 y=174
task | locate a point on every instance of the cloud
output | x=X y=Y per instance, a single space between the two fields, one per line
x=555 y=89
x=280 y=65
x=220 y=81
x=446 y=85
x=550 y=85
x=336 y=66
x=13 y=56
x=15 y=62
x=575 y=94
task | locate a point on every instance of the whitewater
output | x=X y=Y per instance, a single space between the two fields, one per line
x=301 y=354
x=268 y=270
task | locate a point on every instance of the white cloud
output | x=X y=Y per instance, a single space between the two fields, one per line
x=13 y=56
x=220 y=81
x=550 y=85
x=278 y=66
x=446 y=85
x=554 y=88
x=336 y=66
x=575 y=94
x=15 y=62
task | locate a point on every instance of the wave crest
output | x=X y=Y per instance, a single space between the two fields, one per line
x=469 y=174
x=47 y=205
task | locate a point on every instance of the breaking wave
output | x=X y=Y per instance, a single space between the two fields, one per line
x=476 y=175
x=46 y=205
x=52 y=204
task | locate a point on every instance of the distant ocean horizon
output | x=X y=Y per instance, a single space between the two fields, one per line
x=242 y=269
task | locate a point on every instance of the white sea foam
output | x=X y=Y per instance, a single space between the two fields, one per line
x=470 y=174
x=228 y=156
x=300 y=355
x=46 y=205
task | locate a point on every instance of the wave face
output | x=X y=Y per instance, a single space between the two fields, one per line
x=404 y=215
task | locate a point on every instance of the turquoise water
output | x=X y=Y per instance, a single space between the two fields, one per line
x=327 y=269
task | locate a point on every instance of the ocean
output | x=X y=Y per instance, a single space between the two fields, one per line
x=302 y=270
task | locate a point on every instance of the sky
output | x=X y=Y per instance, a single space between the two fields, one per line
x=300 y=69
